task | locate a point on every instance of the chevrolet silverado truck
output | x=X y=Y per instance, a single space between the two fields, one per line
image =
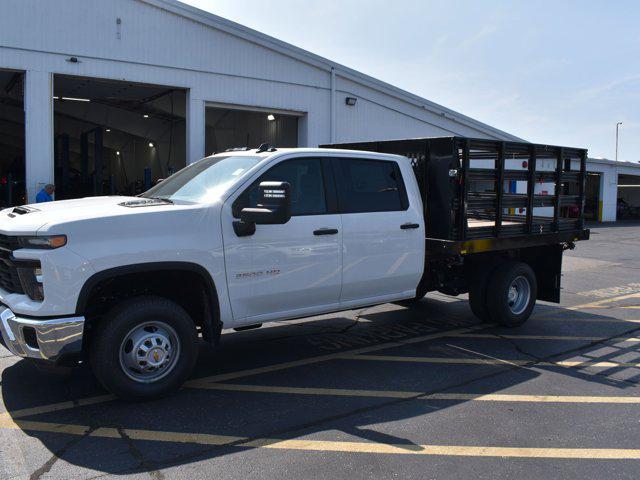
x=133 y=285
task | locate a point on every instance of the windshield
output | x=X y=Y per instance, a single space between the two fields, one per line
x=204 y=181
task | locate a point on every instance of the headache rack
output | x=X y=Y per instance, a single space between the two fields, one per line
x=482 y=195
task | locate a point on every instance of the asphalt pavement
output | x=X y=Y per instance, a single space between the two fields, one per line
x=422 y=392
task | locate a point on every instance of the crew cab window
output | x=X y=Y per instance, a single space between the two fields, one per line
x=369 y=186
x=307 y=187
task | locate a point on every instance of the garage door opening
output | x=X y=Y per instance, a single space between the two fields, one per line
x=628 y=206
x=233 y=128
x=115 y=138
x=12 y=165
x=592 y=207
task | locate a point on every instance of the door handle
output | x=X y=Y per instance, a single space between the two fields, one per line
x=407 y=226
x=325 y=231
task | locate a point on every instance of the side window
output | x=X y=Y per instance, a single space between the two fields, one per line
x=369 y=186
x=307 y=187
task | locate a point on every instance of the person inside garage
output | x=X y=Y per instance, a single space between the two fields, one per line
x=46 y=194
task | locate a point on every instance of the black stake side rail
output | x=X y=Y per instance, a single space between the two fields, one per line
x=449 y=170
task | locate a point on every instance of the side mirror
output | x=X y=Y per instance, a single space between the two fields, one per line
x=274 y=205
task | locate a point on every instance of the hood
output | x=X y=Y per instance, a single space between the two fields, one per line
x=28 y=219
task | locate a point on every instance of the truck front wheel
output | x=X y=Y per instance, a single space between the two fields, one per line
x=511 y=294
x=144 y=349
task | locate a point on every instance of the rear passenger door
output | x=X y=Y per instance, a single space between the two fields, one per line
x=382 y=233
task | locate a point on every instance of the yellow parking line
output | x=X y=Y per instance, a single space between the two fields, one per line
x=332 y=356
x=447 y=450
x=226 y=376
x=309 y=391
x=586 y=319
x=329 y=445
x=599 y=303
x=545 y=337
x=477 y=397
x=488 y=361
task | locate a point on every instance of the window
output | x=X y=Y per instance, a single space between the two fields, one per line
x=369 y=186
x=307 y=187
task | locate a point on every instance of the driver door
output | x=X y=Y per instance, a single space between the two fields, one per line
x=293 y=269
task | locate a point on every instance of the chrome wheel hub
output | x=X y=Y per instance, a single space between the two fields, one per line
x=149 y=351
x=518 y=295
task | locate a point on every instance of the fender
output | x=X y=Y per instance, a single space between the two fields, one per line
x=212 y=324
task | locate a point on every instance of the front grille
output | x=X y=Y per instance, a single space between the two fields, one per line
x=8 y=243
x=9 y=279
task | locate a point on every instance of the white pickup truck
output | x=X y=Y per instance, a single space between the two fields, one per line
x=133 y=284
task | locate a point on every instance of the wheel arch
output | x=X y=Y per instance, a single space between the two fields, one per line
x=209 y=320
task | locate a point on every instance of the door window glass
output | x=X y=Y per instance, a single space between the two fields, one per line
x=369 y=186
x=307 y=187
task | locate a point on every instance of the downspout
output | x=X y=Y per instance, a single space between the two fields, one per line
x=332 y=119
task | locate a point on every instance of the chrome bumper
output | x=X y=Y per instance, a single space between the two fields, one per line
x=47 y=339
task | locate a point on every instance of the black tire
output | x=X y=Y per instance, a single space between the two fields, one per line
x=478 y=301
x=108 y=340
x=501 y=309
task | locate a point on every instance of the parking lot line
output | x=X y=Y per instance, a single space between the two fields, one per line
x=545 y=337
x=54 y=407
x=587 y=319
x=226 y=376
x=329 y=445
x=600 y=303
x=331 y=356
x=487 y=361
x=478 y=397
x=448 y=450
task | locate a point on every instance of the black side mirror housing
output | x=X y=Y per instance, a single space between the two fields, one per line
x=274 y=205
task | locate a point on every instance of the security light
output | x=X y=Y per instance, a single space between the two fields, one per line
x=351 y=101
x=145 y=116
x=107 y=130
x=271 y=117
x=118 y=153
x=72 y=99
x=151 y=145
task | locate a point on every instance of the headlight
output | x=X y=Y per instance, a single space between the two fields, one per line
x=47 y=241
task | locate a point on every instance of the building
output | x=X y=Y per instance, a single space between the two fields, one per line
x=107 y=97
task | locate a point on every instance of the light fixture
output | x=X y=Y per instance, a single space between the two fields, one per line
x=145 y=116
x=351 y=101
x=151 y=145
x=271 y=117
x=118 y=153
x=75 y=99
x=107 y=130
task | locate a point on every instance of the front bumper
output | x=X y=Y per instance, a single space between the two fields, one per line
x=49 y=339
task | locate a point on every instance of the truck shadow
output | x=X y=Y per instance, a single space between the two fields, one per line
x=113 y=444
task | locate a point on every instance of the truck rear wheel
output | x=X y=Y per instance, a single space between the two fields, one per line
x=144 y=349
x=478 y=301
x=511 y=294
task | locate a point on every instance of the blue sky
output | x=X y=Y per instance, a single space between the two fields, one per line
x=557 y=72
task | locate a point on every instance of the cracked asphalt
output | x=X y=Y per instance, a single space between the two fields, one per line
x=388 y=391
